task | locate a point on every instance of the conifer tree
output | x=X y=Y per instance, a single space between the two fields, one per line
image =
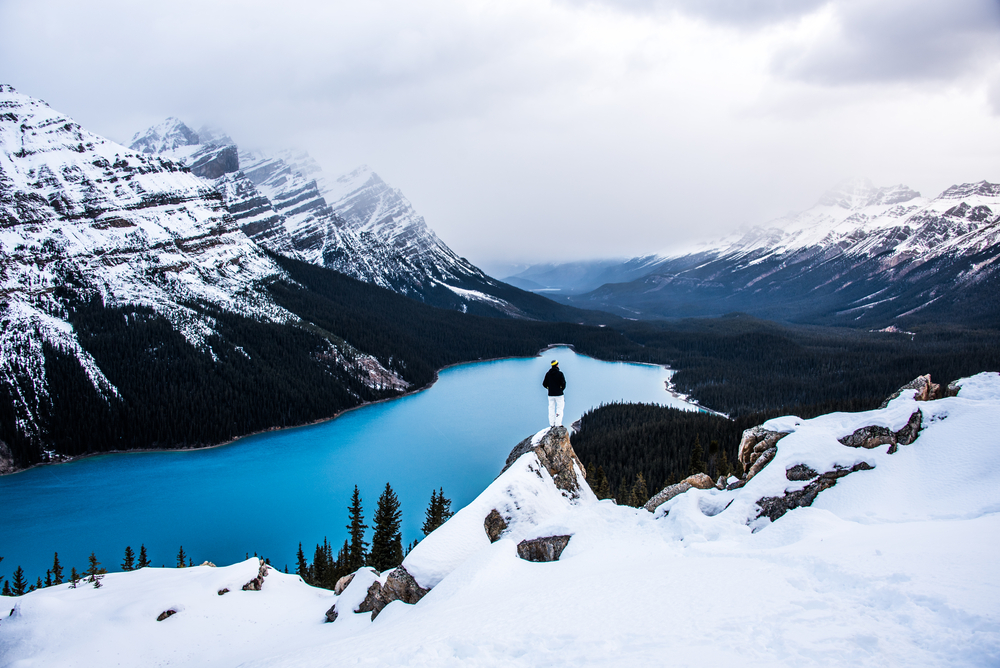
x=624 y=494
x=6 y=588
x=1 y=561
x=639 y=494
x=599 y=483
x=303 y=568
x=387 y=543
x=357 y=554
x=697 y=464
x=38 y=584
x=181 y=558
x=73 y=576
x=340 y=567
x=191 y=562
x=20 y=584
x=438 y=511
x=143 y=558
x=57 y=570
x=94 y=571
x=48 y=577
x=129 y=563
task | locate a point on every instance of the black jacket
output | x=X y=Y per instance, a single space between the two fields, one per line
x=555 y=382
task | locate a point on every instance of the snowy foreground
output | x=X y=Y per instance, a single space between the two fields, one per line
x=897 y=565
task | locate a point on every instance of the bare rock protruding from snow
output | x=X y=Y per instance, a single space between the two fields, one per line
x=556 y=454
x=548 y=548
x=756 y=441
x=873 y=436
x=165 y=614
x=696 y=481
x=926 y=390
x=495 y=525
x=258 y=582
x=399 y=586
x=774 y=507
x=342 y=584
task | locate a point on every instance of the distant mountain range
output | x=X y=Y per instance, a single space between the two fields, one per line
x=862 y=256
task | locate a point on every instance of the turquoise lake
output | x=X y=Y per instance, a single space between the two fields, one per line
x=266 y=493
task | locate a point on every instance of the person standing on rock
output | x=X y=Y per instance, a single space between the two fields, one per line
x=555 y=383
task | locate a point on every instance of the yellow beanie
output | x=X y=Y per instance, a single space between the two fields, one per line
x=555 y=362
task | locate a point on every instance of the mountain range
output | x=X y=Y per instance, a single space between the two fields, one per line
x=862 y=256
x=141 y=284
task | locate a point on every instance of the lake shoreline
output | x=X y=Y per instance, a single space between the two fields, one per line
x=409 y=393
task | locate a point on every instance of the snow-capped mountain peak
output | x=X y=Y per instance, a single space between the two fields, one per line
x=168 y=135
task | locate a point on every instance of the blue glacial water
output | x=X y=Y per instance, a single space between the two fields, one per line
x=267 y=492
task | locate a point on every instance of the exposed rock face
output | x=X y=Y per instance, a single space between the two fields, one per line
x=756 y=441
x=874 y=436
x=342 y=584
x=557 y=456
x=698 y=481
x=495 y=525
x=774 y=507
x=258 y=582
x=399 y=586
x=6 y=459
x=331 y=614
x=549 y=548
x=926 y=390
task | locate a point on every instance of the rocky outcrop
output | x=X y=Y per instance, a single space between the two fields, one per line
x=342 y=584
x=399 y=586
x=697 y=481
x=549 y=548
x=331 y=614
x=873 y=436
x=495 y=524
x=6 y=459
x=258 y=582
x=165 y=614
x=557 y=456
x=774 y=507
x=926 y=390
x=755 y=442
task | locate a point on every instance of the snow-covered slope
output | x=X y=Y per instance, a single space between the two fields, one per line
x=895 y=565
x=86 y=221
x=863 y=255
x=355 y=224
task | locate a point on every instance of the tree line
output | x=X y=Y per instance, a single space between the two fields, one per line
x=385 y=551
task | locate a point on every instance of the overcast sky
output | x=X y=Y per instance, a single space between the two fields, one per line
x=548 y=130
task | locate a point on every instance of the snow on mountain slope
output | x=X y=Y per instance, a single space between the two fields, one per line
x=863 y=256
x=891 y=566
x=83 y=219
x=356 y=224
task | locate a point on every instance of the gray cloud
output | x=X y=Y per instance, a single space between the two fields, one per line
x=742 y=13
x=898 y=41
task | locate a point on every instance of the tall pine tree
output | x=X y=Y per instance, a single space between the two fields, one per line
x=438 y=511
x=697 y=464
x=387 y=542
x=129 y=563
x=181 y=558
x=20 y=583
x=57 y=569
x=357 y=552
x=143 y=558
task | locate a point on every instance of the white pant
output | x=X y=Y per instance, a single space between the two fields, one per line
x=556 y=405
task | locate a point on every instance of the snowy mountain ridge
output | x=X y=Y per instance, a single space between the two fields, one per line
x=355 y=224
x=889 y=563
x=862 y=256
x=84 y=220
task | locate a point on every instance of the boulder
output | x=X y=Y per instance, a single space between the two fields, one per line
x=699 y=480
x=165 y=614
x=399 y=586
x=761 y=461
x=755 y=442
x=800 y=472
x=549 y=548
x=557 y=456
x=952 y=389
x=873 y=436
x=342 y=583
x=666 y=494
x=774 y=507
x=495 y=525
x=926 y=390
x=258 y=582
x=331 y=614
